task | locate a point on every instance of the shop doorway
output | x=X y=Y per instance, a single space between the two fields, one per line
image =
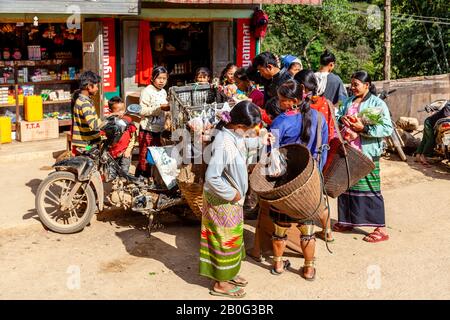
x=181 y=47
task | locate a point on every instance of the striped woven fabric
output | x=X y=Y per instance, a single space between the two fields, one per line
x=222 y=238
x=363 y=204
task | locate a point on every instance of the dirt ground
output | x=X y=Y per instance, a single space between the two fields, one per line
x=114 y=258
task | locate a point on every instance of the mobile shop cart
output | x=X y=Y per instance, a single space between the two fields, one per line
x=188 y=105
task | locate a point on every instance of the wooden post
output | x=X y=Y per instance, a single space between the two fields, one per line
x=387 y=39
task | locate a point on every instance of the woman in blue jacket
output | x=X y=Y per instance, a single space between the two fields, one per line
x=298 y=124
x=363 y=205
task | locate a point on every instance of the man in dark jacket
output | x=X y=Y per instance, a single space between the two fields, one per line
x=265 y=70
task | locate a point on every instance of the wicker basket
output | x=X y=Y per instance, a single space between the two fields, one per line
x=190 y=182
x=336 y=176
x=305 y=203
x=300 y=165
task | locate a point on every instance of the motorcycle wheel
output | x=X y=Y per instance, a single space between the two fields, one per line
x=48 y=203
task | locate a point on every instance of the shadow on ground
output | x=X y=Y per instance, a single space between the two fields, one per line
x=33 y=185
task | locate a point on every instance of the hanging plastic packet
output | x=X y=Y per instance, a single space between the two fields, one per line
x=277 y=164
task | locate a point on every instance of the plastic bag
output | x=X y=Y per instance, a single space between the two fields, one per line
x=277 y=164
x=166 y=164
x=371 y=116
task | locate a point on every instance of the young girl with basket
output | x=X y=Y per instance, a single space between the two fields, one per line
x=222 y=232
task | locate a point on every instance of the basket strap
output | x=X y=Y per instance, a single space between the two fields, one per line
x=336 y=128
x=343 y=143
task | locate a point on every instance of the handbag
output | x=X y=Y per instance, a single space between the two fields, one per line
x=345 y=165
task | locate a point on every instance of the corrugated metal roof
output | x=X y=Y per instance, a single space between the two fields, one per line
x=304 y=2
x=125 y=7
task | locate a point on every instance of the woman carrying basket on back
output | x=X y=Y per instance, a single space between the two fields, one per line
x=298 y=124
x=363 y=205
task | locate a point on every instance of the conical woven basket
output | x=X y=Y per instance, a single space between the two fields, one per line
x=190 y=182
x=305 y=203
x=300 y=165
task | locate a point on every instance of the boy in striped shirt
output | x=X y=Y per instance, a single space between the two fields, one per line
x=86 y=123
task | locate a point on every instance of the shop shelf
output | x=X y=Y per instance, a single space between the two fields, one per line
x=66 y=122
x=39 y=63
x=47 y=82
x=56 y=102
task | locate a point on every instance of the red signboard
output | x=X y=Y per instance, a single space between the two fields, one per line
x=109 y=55
x=246 y=43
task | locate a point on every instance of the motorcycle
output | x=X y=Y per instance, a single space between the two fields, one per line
x=68 y=198
x=441 y=128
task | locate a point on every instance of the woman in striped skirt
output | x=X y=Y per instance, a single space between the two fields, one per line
x=222 y=235
x=363 y=205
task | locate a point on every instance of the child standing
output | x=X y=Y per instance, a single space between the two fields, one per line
x=203 y=76
x=154 y=104
x=122 y=150
x=247 y=86
x=227 y=80
x=86 y=123
x=222 y=232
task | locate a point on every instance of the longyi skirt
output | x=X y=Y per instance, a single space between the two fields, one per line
x=222 y=238
x=363 y=205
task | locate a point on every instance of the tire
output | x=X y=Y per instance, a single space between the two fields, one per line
x=447 y=152
x=45 y=196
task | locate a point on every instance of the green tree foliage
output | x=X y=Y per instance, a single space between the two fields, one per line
x=352 y=31
x=420 y=48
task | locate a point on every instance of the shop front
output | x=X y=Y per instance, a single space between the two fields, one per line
x=187 y=34
x=44 y=46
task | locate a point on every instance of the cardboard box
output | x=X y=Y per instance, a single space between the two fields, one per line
x=38 y=130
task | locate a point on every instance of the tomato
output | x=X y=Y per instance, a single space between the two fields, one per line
x=353 y=119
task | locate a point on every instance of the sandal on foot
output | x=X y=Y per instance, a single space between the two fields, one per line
x=376 y=236
x=338 y=227
x=229 y=294
x=302 y=271
x=286 y=265
x=238 y=281
x=321 y=236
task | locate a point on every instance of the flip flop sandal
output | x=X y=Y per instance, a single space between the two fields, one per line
x=228 y=294
x=286 y=265
x=376 y=236
x=238 y=283
x=302 y=274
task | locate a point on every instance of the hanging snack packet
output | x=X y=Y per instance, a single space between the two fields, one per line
x=277 y=164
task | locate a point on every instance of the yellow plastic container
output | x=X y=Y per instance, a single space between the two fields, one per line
x=33 y=108
x=5 y=130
